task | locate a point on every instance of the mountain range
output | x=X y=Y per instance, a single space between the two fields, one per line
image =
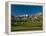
x=26 y=16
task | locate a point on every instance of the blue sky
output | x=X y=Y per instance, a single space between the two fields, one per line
x=25 y=9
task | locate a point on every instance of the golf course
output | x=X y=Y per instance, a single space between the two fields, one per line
x=32 y=24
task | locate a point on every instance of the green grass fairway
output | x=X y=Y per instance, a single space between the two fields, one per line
x=27 y=25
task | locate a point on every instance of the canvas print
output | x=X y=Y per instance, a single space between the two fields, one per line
x=26 y=17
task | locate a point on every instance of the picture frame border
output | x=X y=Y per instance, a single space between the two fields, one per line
x=8 y=17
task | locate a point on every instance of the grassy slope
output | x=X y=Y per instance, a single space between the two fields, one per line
x=30 y=24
